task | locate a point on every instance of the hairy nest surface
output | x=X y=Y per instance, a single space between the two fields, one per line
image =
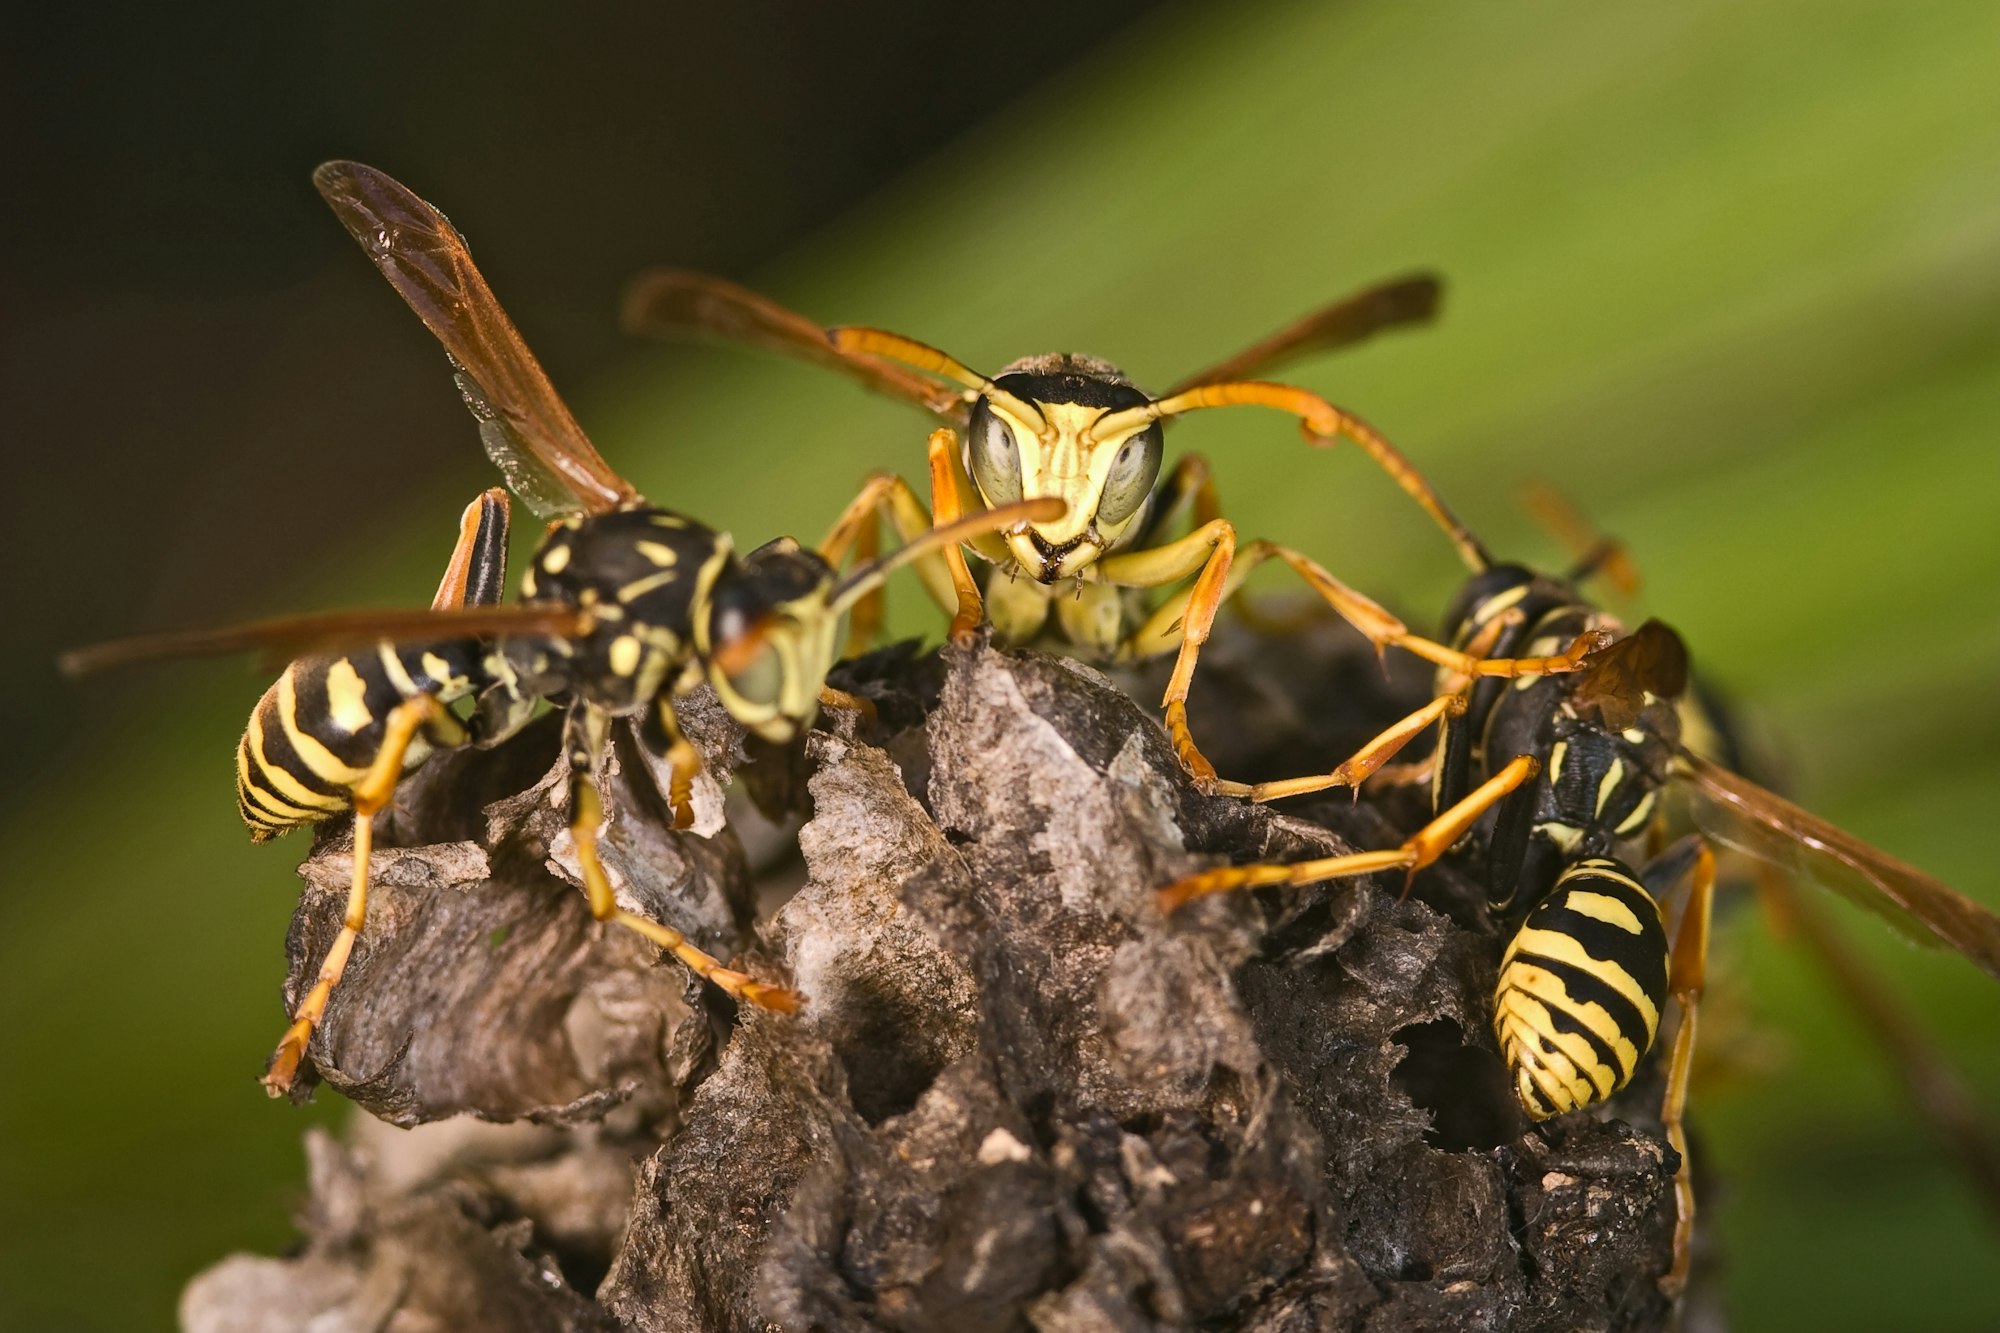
x=1019 y=1097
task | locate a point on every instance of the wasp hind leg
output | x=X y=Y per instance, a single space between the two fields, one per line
x=584 y=742
x=1686 y=977
x=1423 y=847
x=421 y=713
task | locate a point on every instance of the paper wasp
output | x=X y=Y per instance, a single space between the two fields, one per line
x=624 y=605
x=1567 y=777
x=1076 y=428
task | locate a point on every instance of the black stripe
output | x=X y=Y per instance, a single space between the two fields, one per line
x=1585 y=988
x=279 y=753
x=1642 y=956
x=1566 y=1023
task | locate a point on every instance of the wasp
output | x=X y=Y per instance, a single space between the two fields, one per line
x=1077 y=428
x=623 y=607
x=1567 y=775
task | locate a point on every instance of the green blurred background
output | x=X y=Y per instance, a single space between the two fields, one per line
x=1731 y=274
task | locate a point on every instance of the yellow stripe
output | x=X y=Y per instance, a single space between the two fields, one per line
x=1575 y=1046
x=1529 y=1058
x=277 y=781
x=347 y=697
x=1640 y=814
x=1548 y=987
x=1563 y=949
x=393 y=668
x=324 y=763
x=1608 y=784
x=1603 y=907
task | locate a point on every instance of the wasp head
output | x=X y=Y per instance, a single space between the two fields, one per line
x=1035 y=435
x=769 y=636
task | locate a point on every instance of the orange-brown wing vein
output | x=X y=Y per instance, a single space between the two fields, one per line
x=1766 y=825
x=293 y=636
x=675 y=303
x=527 y=430
x=1352 y=319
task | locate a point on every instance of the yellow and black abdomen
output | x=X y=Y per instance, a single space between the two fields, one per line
x=317 y=730
x=1581 y=987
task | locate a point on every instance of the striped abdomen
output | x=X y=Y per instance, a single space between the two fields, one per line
x=318 y=728
x=1581 y=988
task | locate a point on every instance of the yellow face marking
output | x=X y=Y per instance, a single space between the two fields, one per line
x=659 y=553
x=1603 y=907
x=555 y=559
x=347 y=697
x=624 y=654
x=1056 y=460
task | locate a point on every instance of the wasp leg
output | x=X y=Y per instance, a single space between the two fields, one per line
x=1423 y=847
x=1324 y=425
x=1207 y=552
x=1686 y=976
x=371 y=794
x=1385 y=631
x=1363 y=763
x=662 y=735
x=1370 y=758
x=888 y=498
x=829 y=697
x=585 y=744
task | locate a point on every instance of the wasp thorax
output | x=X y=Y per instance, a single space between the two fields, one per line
x=1035 y=438
x=639 y=573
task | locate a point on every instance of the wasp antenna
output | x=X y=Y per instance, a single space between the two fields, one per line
x=1043 y=509
x=880 y=342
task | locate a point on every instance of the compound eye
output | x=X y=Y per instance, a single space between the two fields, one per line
x=996 y=458
x=1132 y=475
x=760 y=679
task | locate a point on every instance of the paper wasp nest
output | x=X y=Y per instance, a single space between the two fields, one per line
x=1019 y=1096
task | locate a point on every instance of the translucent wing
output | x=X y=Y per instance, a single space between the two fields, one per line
x=287 y=637
x=1352 y=319
x=528 y=432
x=1743 y=815
x=670 y=303
x=1616 y=679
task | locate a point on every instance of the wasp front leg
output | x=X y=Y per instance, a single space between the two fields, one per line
x=585 y=737
x=662 y=735
x=1422 y=848
x=1206 y=553
x=371 y=795
x=886 y=498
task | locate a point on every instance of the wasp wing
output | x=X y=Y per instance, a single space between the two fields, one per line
x=1739 y=813
x=287 y=637
x=1616 y=680
x=667 y=303
x=527 y=431
x=1412 y=299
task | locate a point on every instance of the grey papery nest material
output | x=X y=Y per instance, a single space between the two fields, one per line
x=1019 y=1097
